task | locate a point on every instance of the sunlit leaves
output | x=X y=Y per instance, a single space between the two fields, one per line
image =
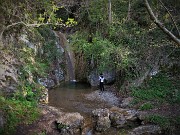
x=41 y=19
x=70 y=22
x=55 y=8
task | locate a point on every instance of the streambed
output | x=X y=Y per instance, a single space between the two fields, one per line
x=78 y=97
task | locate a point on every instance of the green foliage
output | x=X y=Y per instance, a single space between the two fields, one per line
x=146 y=106
x=32 y=65
x=97 y=11
x=32 y=14
x=17 y=111
x=162 y=121
x=103 y=52
x=49 y=47
x=21 y=107
x=159 y=89
x=135 y=43
x=100 y=50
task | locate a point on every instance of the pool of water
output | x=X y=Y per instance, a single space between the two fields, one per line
x=71 y=97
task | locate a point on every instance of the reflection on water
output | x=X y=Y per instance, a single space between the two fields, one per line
x=70 y=98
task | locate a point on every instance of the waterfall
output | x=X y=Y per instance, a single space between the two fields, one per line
x=68 y=55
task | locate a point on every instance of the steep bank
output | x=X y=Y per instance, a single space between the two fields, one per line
x=30 y=63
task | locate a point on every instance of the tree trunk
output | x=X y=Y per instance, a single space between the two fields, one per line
x=160 y=25
x=109 y=12
x=129 y=11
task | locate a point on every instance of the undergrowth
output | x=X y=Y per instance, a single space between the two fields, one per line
x=17 y=111
x=160 y=89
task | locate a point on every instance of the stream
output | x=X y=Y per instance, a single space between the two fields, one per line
x=79 y=97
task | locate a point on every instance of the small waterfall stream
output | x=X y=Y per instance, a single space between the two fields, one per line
x=68 y=55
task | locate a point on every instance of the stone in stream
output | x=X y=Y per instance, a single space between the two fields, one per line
x=70 y=123
x=101 y=119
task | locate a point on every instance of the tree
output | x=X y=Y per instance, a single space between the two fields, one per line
x=30 y=13
x=160 y=25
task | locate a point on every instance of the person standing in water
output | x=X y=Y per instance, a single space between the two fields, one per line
x=101 y=81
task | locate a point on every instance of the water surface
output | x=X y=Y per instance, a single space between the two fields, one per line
x=79 y=97
x=71 y=97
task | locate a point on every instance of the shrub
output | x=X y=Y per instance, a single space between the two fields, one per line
x=159 y=89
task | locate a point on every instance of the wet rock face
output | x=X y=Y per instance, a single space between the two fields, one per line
x=70 y=123
x=146 y=130
x=46 y=82
x=53 y=79
x=8 y=72
x=93 y=78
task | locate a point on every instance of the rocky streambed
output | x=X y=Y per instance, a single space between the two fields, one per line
x=80 y=110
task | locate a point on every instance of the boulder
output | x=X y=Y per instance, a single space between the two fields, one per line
x=102 y=124
x=101 y=119
x=142 y=116
x=53 y=79
x=70 y=123
x=121 y=117
x=46 y=82
x=146 y=130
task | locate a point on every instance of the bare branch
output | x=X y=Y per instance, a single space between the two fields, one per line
x=160 y=25
x=129 y=11
x=171 y=17
x=28 y=25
